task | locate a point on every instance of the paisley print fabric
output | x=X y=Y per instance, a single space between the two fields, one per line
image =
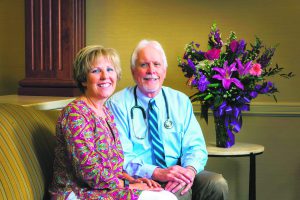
x=88 y=157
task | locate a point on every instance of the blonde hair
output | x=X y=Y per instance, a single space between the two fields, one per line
x=85 y=58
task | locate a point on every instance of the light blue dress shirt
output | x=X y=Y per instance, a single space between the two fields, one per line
x=184 y=143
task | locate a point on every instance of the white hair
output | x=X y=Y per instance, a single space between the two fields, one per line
x=144 y=43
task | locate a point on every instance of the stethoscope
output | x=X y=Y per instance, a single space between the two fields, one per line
x=168 y=124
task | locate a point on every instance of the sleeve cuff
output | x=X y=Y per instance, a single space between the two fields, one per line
x=147 y=171
x=192 y=168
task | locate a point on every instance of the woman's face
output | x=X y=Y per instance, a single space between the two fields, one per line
x=101 y=79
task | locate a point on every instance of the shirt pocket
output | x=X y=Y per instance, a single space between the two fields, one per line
x=172 y=141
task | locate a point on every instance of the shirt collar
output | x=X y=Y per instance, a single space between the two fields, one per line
x=145 y=100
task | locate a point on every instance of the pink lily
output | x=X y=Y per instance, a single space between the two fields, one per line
x=225 y=76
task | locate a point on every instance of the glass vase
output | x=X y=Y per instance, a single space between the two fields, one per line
x=223 y=139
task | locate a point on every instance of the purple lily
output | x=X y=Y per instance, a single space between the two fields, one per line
x=243 y=69
x=225 y=76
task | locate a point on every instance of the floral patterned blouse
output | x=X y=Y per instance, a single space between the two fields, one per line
x=89 y=156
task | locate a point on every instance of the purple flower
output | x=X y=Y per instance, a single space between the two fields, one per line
x=266 y=57
x=241 y=47
x=217 y=37
x=185 y=56
x=237 y=47
x=201 y=83
x=200 y=53
x=253 y=94
x=225 y=76
x=215 y=40
x=243 y=69
x=212 y=54
x=266 y=87
x=228 y=78
x=257 y=87
x=191 y=64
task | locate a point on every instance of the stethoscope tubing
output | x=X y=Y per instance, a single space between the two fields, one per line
x=167 y=124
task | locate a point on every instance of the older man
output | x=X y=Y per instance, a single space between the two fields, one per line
x=160 y=135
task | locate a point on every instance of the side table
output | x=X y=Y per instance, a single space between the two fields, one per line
x=240 y=150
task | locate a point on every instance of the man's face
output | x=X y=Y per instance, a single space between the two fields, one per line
x=150 y=72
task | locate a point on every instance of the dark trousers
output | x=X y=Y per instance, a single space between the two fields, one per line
x=207 y=186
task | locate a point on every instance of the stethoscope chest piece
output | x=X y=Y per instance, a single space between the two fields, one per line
x=168 y=124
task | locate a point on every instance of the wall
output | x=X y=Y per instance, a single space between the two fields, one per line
x=174 y=23
x=121 y=24
x=12 y=45
x=277 y=169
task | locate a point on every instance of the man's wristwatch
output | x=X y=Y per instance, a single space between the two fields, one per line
x=126 y=183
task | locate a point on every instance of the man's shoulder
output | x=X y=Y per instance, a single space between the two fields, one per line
x=122 y=95
x=175 y=93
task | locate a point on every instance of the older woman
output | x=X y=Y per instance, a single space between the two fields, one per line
x=88 y=157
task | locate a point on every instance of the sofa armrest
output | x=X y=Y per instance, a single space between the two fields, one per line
x=27 y=141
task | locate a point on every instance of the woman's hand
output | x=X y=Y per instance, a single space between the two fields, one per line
x=142 y=183
x=149 y=182
x=144 y=186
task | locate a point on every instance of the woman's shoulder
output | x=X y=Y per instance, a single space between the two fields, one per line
x=108 y=113
x=76 y=106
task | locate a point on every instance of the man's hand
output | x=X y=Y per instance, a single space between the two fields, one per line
x=175 y=187
x=177 y=178
x=175 y=173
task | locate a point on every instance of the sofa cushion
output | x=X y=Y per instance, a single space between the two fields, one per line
x=26 y=151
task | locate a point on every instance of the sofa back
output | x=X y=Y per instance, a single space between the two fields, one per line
x=26 y=151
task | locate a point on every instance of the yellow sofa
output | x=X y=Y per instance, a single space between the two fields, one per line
x=26 y=152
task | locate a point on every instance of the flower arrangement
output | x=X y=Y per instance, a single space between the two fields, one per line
x=228 y=76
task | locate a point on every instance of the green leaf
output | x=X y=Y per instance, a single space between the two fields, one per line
x=204 y=112
x=218 y=101
x=208 y=97
x=213 y=85
x=214 y=27
x=275 y=98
